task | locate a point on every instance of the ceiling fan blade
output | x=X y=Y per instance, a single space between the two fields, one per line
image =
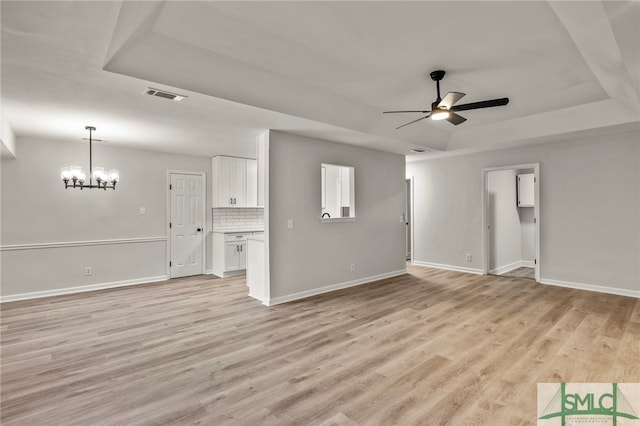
x=451 y=98
x=481 y=104
x=455 y=118
x=411 y=122
x=394 y=112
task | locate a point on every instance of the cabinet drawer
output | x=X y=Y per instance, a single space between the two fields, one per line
x=236 y=237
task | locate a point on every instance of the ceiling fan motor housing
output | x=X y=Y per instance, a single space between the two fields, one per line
x=437 y=75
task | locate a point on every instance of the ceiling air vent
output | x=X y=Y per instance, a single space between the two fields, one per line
x=164 y=94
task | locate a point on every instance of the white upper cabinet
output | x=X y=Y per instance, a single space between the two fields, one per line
x=525 y=185
x=233 y=182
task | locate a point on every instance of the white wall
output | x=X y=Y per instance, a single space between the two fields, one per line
x=7 y=139
x=315 y=255
x=505 y=231
x=527 y=234
x=590 y=208
x=37 y=209
x=332 y=203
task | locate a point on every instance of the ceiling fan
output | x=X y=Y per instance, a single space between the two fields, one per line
x=445 y=109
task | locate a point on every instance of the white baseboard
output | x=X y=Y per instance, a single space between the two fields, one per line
x=506 y=268
x=228 y=273
x=81 y=289
x=591 y=287
x=208 y=272
x=448 y=267
x=332 y=287
x=511 y=266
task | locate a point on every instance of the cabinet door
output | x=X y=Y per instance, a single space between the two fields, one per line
x=242 y=256
x=525 y=190
x=223 y=181
x=252 y=183
x=238 y=182
x=231 y=256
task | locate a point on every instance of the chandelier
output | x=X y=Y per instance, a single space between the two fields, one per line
x=75 y=176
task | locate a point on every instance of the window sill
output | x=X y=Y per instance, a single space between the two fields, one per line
x=337 y=219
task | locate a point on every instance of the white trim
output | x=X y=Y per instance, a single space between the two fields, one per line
x=485 y=216
x=81 y=289
x=35 y=246
x=591 y=287
x=203 y=176
x=527 y=264
x=448 y=267
x=332 y=287
x=227 y=274
x=208 y=272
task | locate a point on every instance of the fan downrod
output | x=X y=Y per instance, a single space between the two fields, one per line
x=437 y=75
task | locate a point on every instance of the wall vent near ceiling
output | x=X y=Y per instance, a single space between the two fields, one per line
x=164 y=94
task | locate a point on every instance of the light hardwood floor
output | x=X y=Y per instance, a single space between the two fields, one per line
x=429 y=348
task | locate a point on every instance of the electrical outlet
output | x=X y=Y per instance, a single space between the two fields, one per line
x=469 y=257
x=290 y=223
x=143 y=210
x=88 y=271
x=353 y=267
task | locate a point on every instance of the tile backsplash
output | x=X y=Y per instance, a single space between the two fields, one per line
x=238 y=219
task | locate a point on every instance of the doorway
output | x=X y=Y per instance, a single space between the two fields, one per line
x=186 y=224
x=511 y=221
x=408 y=218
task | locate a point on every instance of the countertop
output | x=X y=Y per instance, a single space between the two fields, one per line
x=237 y=231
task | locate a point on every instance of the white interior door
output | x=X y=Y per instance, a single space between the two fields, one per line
x=186 y=225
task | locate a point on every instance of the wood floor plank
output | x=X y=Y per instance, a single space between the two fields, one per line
x=431 y=347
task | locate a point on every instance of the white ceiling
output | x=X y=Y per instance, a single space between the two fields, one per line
x=323 y=69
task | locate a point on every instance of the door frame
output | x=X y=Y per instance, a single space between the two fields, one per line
x=203 y=177
x=485 y=213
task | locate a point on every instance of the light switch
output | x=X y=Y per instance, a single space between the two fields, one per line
x=143 y=210
x=290 y=223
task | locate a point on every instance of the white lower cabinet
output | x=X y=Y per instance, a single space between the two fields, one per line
x=235 y=256
x=230 y=253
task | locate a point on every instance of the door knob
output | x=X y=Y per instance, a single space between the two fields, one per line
x=199 y=229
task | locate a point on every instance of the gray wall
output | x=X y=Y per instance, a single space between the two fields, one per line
x=505 y=232
x=590 y=208
x=37 y=209
x=313 y=254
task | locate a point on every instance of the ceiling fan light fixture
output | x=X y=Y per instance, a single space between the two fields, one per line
x=439 y=114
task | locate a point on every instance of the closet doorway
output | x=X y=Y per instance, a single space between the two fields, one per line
x=511 y=221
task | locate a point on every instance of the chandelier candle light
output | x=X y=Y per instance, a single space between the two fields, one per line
x=77 y=176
